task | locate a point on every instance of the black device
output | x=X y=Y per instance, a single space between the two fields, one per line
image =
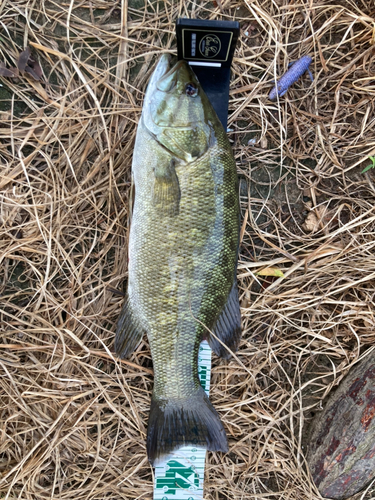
x=208 y=47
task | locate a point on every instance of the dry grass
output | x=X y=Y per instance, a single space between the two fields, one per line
x=73 y=418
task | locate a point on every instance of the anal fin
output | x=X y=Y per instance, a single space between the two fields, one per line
x=128 y=331
x=228 y=326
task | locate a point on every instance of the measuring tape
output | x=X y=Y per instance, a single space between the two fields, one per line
x=180 y=475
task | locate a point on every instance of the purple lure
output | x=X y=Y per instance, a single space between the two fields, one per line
x=296 y=70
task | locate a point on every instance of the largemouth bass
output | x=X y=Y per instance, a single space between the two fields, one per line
x=183 y=247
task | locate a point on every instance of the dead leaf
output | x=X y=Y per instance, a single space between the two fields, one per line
x=23 y=58
x=28 y=64
x=271 y=271
x=314 y=220
x=32 y=71
x=311 y=223
x=8 y=72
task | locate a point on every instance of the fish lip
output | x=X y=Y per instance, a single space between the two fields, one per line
x=167 y=78
x=173 y=69
x=162 y=67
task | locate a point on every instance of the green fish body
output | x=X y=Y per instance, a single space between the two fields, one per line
x=183 y=249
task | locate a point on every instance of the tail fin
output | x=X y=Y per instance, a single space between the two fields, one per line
x=173 y=424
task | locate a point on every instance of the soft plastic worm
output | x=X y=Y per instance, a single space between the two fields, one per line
x=294 y=72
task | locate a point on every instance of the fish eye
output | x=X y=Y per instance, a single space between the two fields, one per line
x=191 y=89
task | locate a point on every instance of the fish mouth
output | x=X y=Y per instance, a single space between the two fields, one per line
x=161 y=68
x=169 y=80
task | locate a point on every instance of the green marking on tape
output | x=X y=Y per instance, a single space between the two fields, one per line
x=178 y=476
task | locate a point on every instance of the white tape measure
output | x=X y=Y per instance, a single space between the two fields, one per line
x=180 y=475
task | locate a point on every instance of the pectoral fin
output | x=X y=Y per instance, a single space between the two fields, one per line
x=166 y=190
x=128 y=331
x=228 y=326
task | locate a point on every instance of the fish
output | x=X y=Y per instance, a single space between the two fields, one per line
x=183 y=249
x=296 y=70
